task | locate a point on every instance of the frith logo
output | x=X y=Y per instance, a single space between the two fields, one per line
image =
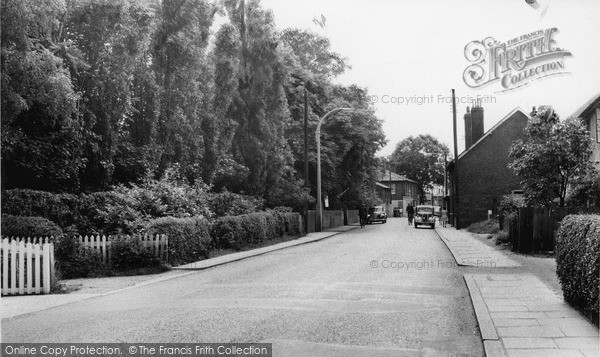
x=516 y=62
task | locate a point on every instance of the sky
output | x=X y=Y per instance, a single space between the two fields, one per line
x=410 y=54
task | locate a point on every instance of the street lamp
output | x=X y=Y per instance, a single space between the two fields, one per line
x=319 y=223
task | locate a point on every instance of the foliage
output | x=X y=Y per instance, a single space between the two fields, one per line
x=59 y=208
x=489 y=226
x=585 y=192
x=578 y=262
x=238 y=232
x=128 y=254
x=232 y=204
x=420 y=159
x=189 y=238
x=75 y=261
x=553 y=154
x=510 y=204
x=19 y=226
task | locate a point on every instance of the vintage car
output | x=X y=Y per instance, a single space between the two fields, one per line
x=424 y=215
x=376 y=214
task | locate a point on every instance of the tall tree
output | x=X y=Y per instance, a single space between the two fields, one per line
x=420 y=158
x=41 y=133
x=552 y=156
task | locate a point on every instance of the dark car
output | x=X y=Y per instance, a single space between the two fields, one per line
x=425 y=215
x=376 y=214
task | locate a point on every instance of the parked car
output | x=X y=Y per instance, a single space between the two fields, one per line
x=376 y=214
x=425 y=215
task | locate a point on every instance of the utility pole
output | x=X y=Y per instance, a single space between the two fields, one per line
x=306 y=183
x=455 y=176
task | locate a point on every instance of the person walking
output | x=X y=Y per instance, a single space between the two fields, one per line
x=444 y=218
x=410 y=212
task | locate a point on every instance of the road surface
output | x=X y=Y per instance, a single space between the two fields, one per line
x=384 y=290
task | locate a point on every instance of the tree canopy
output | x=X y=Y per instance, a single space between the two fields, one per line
x=554 y=154
x=98 y=93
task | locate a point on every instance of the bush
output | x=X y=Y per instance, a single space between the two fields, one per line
x=18 y=226
x=233 y=204
x=59 y=208
x=76 y=261
x=489 y=226
x=578 y=262
x=237 y=232
x=189 y=238
x=128 y=254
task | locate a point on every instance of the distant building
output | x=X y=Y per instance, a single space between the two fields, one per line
x=590 y=113
x=403 y=191
x=482 y=175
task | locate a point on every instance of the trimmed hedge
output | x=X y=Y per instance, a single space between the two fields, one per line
x=189 y=238
x=23 y=227
x=578 y=261
x=61 y=209
x=237 y=232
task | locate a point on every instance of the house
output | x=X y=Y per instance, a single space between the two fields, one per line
x=590 y=113
x=401 y=191
x=480 y=176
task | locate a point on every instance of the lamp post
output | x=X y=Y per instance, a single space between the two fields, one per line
x=319 y=223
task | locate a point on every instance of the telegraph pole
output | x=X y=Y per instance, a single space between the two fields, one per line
x=455 y=176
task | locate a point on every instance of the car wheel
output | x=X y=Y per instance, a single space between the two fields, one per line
x=433 y=225
x=384 y=221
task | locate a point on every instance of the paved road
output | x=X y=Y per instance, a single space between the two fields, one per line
x=385 y=290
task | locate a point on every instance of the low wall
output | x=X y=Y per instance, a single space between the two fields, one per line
x=331 y=219
x=351 y=217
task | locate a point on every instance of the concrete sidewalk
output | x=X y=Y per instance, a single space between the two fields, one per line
x=11 y=306
x=518 y=314
x=469 y=252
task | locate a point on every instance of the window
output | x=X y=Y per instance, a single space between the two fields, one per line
x=393 y=187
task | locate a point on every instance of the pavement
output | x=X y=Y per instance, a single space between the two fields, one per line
x=517 y=312
x=11 y=306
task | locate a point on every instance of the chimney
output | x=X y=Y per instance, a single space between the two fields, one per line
x=477 y=123
x=468 y=130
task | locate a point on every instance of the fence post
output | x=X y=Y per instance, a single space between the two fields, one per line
x=46 y=267
x=21 y=281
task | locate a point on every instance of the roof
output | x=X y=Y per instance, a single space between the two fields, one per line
x=382 y=185
x=491 y=131
x=385 y=177
x=585 y=109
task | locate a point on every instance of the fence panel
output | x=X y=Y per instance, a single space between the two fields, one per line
x=535 y=228
x=26 y=267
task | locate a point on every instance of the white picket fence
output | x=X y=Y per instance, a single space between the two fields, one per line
x=27 y=267
x=158 y=244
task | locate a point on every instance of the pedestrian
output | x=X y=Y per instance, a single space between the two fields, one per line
x=444 y=217
x=410 y=212
x=362 y=216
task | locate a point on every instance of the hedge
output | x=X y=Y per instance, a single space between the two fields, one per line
x=61 y=209
x=23 y=227
x=578 y=261
x=237 y=232
x=189 y=238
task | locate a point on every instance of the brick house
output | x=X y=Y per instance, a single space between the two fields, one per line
x=590 y=113
x=402 y=190
x=482 y=176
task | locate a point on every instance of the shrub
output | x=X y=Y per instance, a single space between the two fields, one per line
x=59 y=208
x=501 y=237
x=578 y=262
x=18 y=226
x=237 y=232
x=232 y=204
x=76 y=261
x=227 y=232
x=189 y=238
x=128 y=254
x=489 y=226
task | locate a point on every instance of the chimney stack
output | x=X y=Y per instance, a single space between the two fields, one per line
x=473 y=125
x=468 y=129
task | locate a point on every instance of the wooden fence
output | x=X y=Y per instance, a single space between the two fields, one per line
x=534 y=228
x=27 y=267
x=158 y=244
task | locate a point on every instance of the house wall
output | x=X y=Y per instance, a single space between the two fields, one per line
x=484 y=176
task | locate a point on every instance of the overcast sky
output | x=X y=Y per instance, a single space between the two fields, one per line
x=415 y=49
